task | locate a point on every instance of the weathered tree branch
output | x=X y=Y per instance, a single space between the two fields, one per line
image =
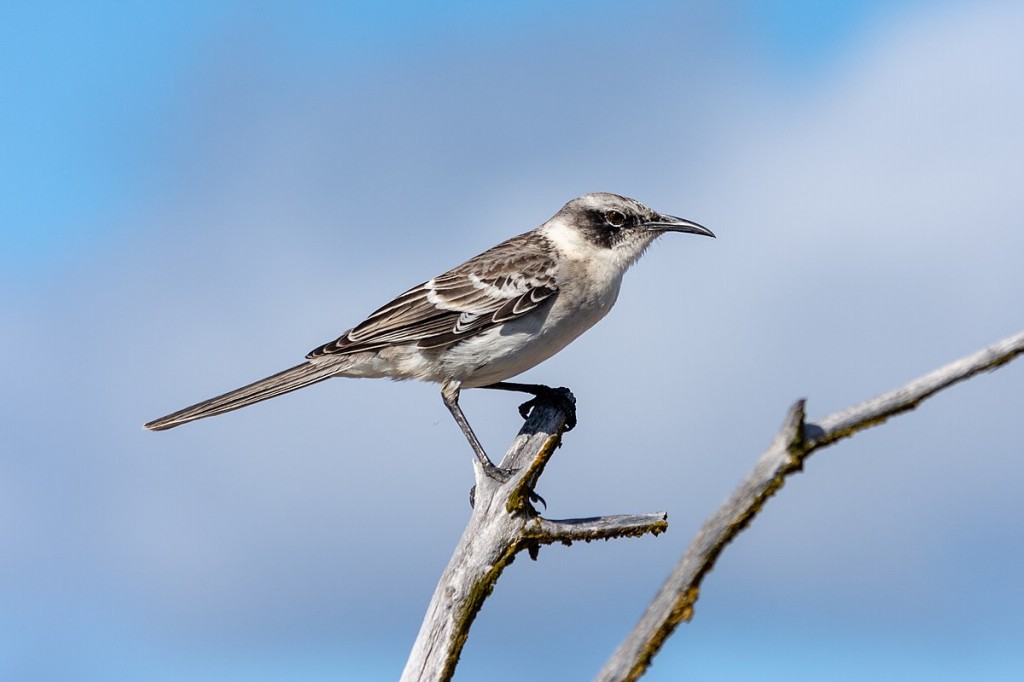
x=502 y=524
x=596 y=528
x=795 y=442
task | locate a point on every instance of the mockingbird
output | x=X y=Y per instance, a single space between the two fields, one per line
x=489 y=319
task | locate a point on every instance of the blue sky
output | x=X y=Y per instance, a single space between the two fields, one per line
x=196 y=194
x=93 y=87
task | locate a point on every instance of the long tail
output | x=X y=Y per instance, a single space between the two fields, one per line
x=289 y=380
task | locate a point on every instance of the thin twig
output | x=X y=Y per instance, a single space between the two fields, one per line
x=568 y=531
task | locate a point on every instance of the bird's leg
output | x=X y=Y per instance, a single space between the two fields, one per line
x=560 y=398
x=450 y=395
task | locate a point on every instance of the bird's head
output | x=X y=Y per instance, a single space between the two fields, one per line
x=620 y=224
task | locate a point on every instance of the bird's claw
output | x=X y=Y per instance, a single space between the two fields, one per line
x=533 y=497
x=559 y=398
x=503 y=476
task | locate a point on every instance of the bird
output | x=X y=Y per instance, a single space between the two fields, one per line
x=487 y=320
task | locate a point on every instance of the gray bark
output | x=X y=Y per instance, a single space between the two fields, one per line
x=796 y=441
x=502 y=524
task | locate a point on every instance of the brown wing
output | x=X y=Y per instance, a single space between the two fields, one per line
x=499 y=285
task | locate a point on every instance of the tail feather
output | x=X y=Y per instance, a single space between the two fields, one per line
x=283 y=382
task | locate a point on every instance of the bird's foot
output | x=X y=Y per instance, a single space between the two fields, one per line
x=534 y=498
x=560 y=398
x=503 y=476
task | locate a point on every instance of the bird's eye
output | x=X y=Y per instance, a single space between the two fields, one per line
x=615 y=218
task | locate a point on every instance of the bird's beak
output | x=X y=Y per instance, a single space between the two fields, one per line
x=670 y=223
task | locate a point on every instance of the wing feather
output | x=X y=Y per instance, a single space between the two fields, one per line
x=491 y=289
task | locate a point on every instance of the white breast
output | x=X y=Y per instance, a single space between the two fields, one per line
x=588 y=285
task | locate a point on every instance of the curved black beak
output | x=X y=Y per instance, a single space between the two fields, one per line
x=670 y=223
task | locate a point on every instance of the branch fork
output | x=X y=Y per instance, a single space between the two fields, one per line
x=502 y=524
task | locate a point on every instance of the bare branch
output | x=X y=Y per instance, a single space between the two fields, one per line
x=596 y=528
x=872 y=412
x=503 y=523
x=795 y=442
